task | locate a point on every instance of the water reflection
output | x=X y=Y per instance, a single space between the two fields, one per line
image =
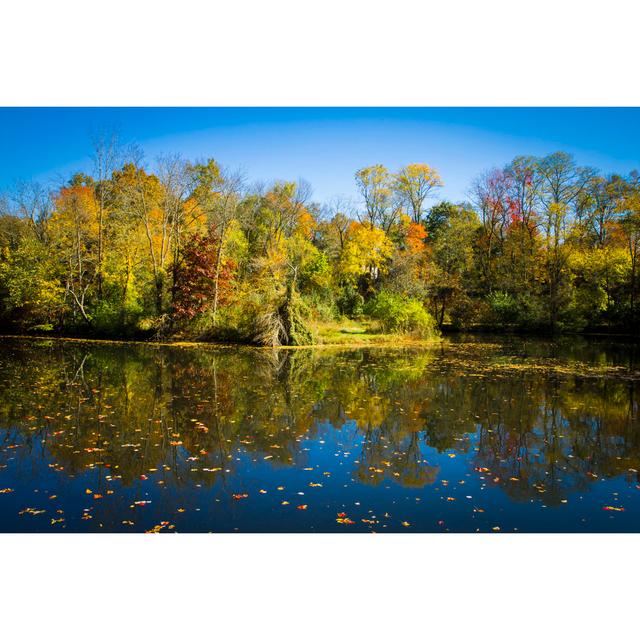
x=521 y=423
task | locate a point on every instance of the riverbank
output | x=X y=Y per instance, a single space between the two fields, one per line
x=359 y=341
x=356 y=334
x=346 y=333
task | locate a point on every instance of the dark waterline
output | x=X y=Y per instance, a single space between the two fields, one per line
x=475 y=434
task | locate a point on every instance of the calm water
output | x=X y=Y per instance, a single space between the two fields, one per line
x=481 y=435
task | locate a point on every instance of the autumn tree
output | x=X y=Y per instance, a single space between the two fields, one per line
x=560 y=183
x=337 y=215
x=452 y=264
x=365 y=256
x=32 y=202
x=629 y=208
x=412 y=185
x=202 y=278
x=140 y=196
x=218 y=194
x=374 y=185
x=106 y=151
x=74 y=232
x=490 y=195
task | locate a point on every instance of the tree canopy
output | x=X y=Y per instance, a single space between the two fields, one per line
x=189 y=249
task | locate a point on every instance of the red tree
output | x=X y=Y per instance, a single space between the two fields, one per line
x=195 y=276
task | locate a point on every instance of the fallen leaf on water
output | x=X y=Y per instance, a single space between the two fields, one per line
x=31 y=511
x=405 y=524
x=609 y=508
x=301 y=506
x=158 y=527
x=240 y=496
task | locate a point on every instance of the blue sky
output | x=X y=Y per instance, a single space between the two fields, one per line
x=323 y=145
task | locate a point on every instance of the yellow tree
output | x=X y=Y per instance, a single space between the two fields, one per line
x=629 y=206
x=74 y=233
x=365 y=255
x=412 y=185
x=374 y=184
x=139 y=195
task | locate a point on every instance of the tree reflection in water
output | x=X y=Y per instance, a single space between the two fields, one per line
x=525 y=423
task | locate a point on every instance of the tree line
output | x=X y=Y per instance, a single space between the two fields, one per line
x=191 y=249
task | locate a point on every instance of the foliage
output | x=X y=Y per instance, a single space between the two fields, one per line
x=350 y=302
x=197 y=274
x=188 y=249
x=398 y=314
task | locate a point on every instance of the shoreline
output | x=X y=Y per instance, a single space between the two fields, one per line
x=398 y=344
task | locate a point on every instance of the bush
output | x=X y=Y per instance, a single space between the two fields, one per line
x=525 y=311
x=397 y=314
x=504 y=307
x=350 y=303
x=111 y=318
x=532 y=312
x=267 y=320
x=41 y=328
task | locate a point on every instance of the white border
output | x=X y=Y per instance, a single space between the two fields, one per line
x=335 y=52
x=342 y=52
x=319 y=586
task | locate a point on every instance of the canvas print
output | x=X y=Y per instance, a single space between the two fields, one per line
x=346 y=320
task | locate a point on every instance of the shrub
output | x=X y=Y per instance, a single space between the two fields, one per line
x=397 y=314
x=504 y=307
x=350 y=303
x=524 y=310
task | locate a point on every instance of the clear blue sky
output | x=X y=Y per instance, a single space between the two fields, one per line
x=323 y=145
